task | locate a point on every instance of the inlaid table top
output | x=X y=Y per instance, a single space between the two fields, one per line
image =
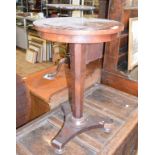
x=71 y=7
x=78 y=30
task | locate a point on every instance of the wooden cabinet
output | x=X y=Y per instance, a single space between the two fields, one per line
x=115 y=52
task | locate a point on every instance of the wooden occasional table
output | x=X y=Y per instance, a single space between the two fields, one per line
x=77 y=32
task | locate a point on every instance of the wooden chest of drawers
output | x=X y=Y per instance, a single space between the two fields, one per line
x=35 y=137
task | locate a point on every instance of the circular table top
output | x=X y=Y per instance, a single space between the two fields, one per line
x=71 y=7
x=78 y=30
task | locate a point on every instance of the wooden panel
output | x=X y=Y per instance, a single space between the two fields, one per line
x=38 y=107
x=94 y=52
x=120 y=83
x=111 y=55
x=23 y=102
x=34 y=138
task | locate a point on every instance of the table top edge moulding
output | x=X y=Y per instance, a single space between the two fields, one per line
x=78 y=30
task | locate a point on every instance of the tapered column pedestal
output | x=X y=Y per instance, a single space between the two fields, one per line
x=75 y=122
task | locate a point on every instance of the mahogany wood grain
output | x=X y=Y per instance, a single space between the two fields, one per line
x=78 y=30
x=77 y=38
x=78 y=68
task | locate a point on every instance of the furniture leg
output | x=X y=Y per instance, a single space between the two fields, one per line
x=75 y=123
x=78 y=67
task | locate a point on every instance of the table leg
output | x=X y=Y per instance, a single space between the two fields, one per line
x=78 y=67
x=75 y=123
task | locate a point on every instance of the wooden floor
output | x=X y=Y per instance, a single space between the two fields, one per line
x=24 y=68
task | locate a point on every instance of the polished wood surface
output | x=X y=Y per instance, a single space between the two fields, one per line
x=78 y=30
x=34 y=138
x=78 y=68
